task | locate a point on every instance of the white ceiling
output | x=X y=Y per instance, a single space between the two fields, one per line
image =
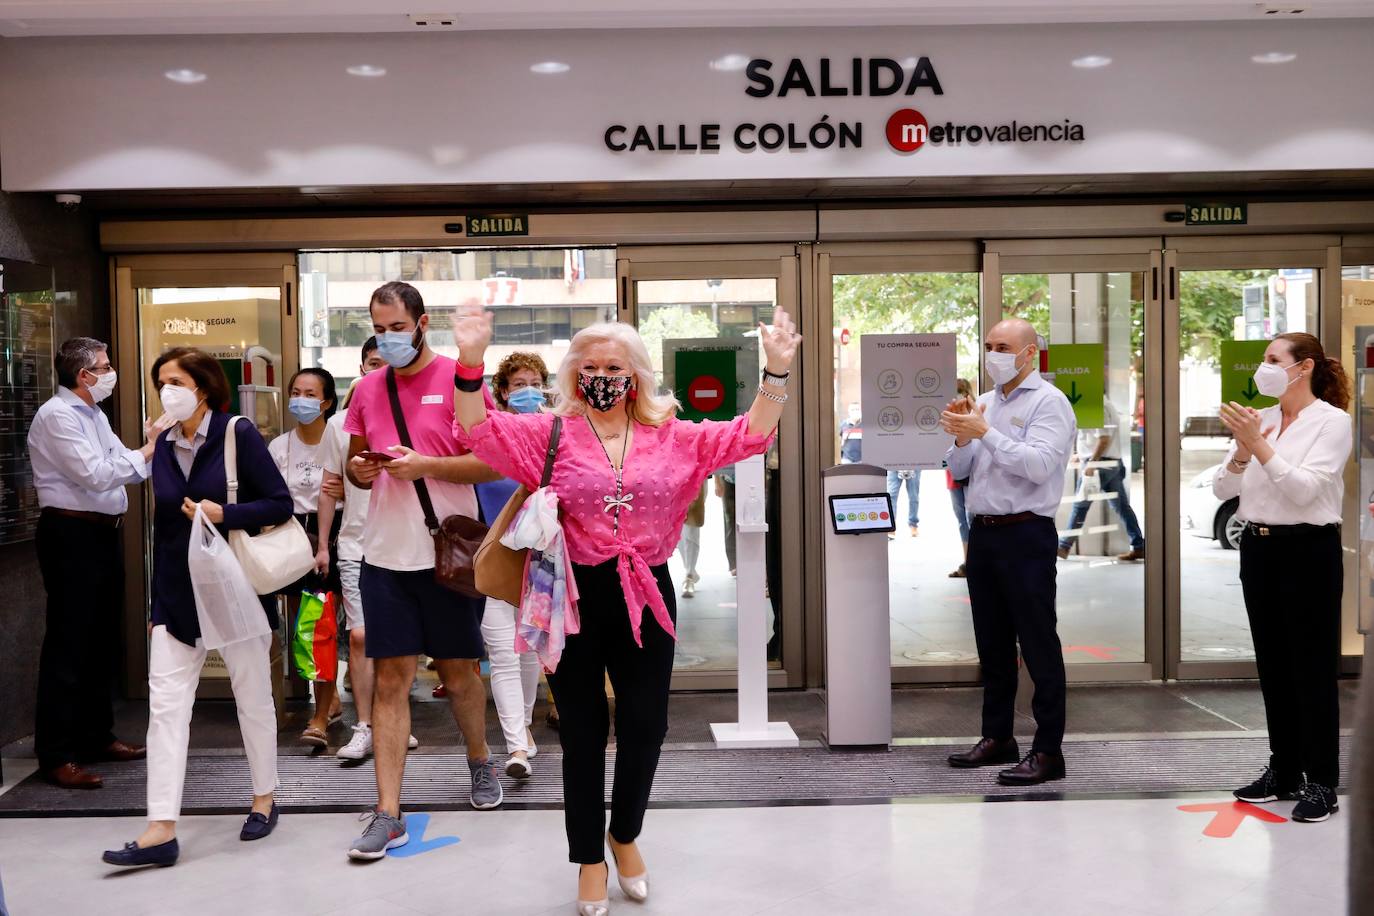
x=29 y=18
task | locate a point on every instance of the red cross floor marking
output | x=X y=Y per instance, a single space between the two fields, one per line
x=1103 y=653
x=1228 y=816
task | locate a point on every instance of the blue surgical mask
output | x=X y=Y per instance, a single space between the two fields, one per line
x=399 y=348
x=526 y=400
x=305 y=410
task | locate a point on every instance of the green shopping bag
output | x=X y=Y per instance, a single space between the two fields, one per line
x=314 y=649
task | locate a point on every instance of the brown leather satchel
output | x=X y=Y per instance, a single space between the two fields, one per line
x=457 y=538
x=500 y=570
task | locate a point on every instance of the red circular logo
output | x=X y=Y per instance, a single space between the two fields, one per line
x=706 y=393
x=907 y=130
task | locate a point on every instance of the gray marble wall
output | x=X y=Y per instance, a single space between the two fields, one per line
x=34 y=228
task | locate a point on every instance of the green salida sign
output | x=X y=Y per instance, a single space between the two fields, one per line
x=1239 y=359
x=1079 y=373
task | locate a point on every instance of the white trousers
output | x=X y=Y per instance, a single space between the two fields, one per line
x=690 y=548
x=514 y=675
x=173 y=673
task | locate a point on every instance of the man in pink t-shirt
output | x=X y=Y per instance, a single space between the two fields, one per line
x=405 y=611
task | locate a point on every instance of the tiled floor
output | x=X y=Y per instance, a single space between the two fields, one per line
x=1126 y=857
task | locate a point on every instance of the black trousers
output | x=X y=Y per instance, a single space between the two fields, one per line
x=83 y=574
x=1292 y=585
x=640 y=677
x=1011 y=585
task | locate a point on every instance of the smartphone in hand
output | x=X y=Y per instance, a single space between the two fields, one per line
x=369 y=455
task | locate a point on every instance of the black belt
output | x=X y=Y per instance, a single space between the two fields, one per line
x=98 y=518
x=996 y=521
x=1265 y=531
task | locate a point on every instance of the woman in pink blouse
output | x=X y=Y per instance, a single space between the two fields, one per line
x=626 y=472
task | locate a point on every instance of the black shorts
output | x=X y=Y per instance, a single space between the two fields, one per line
x=408 y=613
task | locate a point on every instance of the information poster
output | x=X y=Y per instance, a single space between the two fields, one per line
x=714 y=378
x=26 y=382
x=1239 y=359
x=1079 y=372
x=907 y=380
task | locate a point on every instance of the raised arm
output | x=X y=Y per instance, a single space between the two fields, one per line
x=472 y=333
x=780 y=343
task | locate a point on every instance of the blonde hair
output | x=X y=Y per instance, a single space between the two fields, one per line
x=649 y=407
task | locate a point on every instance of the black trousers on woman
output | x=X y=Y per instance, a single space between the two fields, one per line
x=640 y=677
x=1292 y=582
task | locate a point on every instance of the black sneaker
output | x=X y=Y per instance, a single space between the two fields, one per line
x=1262 y=790
x=1316 y=803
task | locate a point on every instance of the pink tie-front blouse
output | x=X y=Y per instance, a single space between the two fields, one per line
x=663 y=473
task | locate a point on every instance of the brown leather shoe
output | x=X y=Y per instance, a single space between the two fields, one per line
x=1037 y=767
x=986 y=753
x=1131 y=555
x=71 y=776
x=120 y=751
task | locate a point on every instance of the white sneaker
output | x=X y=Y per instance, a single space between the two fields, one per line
x=359 y=747
x=689 y=589
x=411 y=743
x=518 y=768
x=534 y=748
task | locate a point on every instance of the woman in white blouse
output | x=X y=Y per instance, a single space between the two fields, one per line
x=1286 y=466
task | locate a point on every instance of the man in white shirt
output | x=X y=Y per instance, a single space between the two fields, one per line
x=1099 y=455
x=1013 y=448
x=80 y=469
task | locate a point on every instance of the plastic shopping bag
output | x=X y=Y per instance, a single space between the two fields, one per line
x=548 y=605
x=226 y=604
x=314 y=649
x=1089 y=485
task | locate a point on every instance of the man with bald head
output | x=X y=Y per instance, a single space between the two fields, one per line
x=1013 y=446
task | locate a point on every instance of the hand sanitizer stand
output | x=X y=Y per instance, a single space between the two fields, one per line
x=858 y=641
x=753 y=728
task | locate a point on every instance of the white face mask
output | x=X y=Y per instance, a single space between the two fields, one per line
x=179 y=403
x=103 y=386
x=1272 y=379
x=1001 y=367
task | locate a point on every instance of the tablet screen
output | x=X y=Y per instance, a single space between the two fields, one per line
x=860 y=513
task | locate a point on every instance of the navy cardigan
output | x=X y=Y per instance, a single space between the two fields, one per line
x=263 y=499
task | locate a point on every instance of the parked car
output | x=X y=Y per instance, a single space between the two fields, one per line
x=1205 y=516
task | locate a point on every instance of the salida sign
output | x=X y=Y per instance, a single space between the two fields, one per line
x=906 y=129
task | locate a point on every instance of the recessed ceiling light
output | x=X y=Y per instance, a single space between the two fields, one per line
x=550 y=66
x=1091 y=62
x=1274 y=57
x=366 y=70
x=185 y=77
x=730 y=62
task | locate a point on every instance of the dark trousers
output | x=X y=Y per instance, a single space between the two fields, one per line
x=1114 y=481
x=1292 y=586
x=640 y=677
x=1011 y=585
x=83 y=574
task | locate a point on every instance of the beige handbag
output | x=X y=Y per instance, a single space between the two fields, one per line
x=500 y=571
x=277 y=555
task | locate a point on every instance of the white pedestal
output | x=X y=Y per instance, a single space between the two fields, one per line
x=753 y=728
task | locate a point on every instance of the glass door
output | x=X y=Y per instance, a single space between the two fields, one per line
x=698 y=310
x=903 y=288
x=238 y=308
x=1227 y=297
x=1095 y=307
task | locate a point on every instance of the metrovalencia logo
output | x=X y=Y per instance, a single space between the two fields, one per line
x=908 y=130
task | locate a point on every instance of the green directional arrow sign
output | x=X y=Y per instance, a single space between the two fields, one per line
x=1079 y=373
x=1239 y=358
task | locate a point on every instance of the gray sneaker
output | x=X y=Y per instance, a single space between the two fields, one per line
x=486 y=789
x=382 y=832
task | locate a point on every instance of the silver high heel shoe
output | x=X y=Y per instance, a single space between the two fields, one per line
x=600 y=907
x=636 y=888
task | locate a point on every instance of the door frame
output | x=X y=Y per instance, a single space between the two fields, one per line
x=781 y=263
x=128 y=274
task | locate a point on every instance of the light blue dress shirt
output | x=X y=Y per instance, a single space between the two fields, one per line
x=78 y=462
x=1018 y=465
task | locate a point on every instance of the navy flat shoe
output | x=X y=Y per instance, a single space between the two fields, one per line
x=257 y=826
x=131 y=856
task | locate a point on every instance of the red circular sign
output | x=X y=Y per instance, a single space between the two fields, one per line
x=907 y=130
x=706 y=393
x=844 y=337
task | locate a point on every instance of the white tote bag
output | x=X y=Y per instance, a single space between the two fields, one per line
x=276 y=556
x=226 y=605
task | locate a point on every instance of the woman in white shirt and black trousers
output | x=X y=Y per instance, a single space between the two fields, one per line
x=1286 y=466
